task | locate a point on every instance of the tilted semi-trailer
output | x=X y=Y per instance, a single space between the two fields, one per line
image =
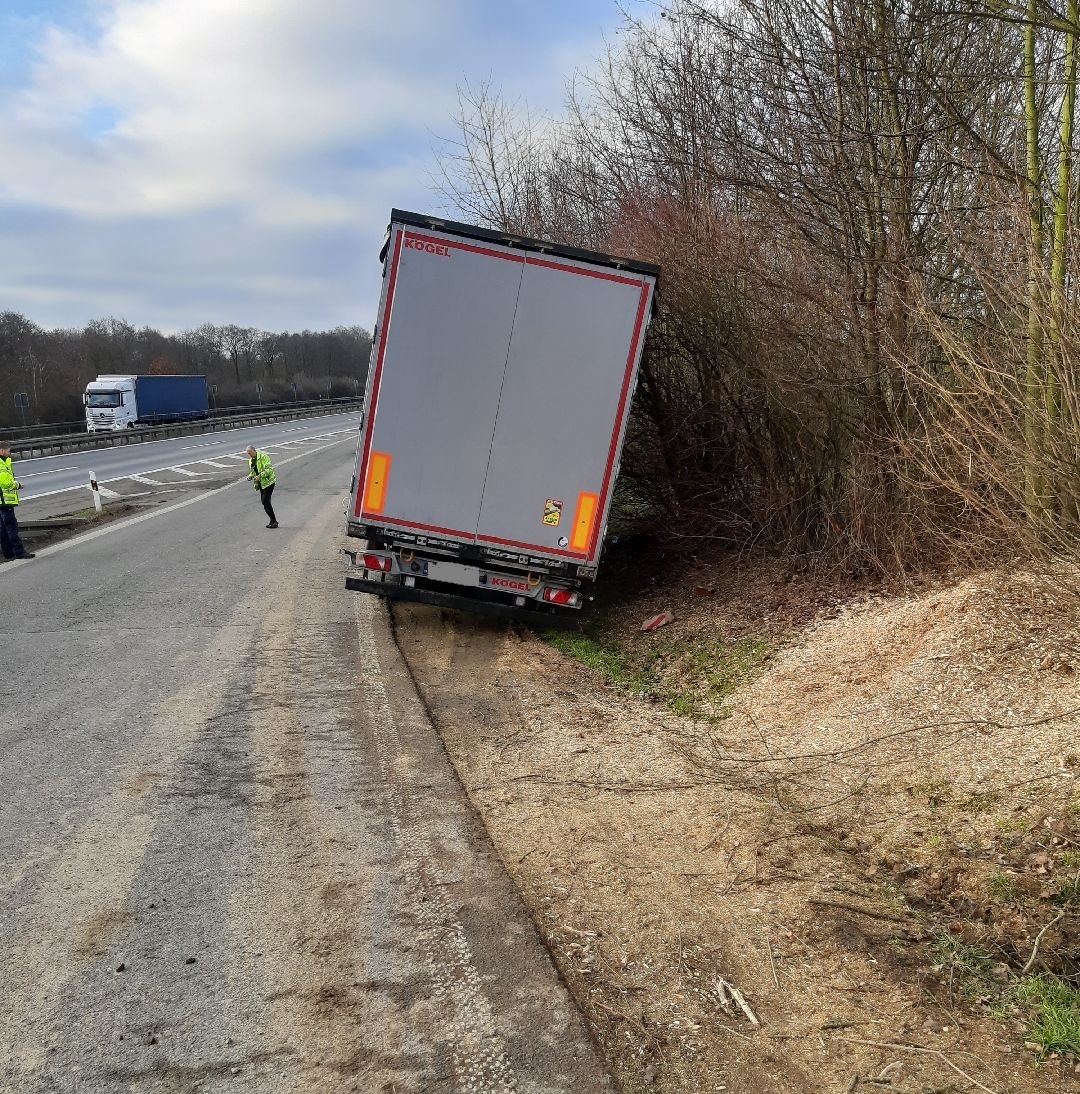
x=497 y=402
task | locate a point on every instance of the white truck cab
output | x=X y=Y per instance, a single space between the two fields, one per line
x=110 y=404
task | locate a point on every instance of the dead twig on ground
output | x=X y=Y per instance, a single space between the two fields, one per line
x=859 y=911
x=772 y=963
x=615 y=1013
x=918 y=1050
x=1030 y=963
x=727 y=992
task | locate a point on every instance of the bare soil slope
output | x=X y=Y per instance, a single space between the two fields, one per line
x=836 y=873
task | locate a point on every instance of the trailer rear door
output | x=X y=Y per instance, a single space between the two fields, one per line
x=447 y=319
x=565 y=397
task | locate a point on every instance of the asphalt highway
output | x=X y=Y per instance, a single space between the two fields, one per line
x=233 y=853
x=201 y=454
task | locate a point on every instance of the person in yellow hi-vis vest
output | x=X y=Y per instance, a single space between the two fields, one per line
x=262 y=475
x=11 y=544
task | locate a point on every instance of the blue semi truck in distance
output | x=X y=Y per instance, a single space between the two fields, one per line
x=124 y=402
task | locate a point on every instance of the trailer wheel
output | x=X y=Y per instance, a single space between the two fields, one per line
x=131 y=425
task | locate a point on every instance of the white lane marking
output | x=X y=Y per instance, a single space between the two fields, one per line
x=167 y=466
x=190 y=474
x=212 y=463
x=477 y=1048
x=158 y=482
x=42 y=459
x=54 y=471
x=105 y=492
x=205 y=444
x=120 y=525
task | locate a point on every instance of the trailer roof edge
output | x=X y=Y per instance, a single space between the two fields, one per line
x=508 y=239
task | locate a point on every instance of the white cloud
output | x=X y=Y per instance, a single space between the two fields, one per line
x=211 y=98
x=235 y=160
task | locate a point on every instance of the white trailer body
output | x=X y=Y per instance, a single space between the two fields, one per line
x=497 y=401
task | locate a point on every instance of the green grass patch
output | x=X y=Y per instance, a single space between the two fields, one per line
x=1001 y=886
x=603 y=658
x=1067 y=891
x=692 y=676
x=969 y=967
x=1054 y=1015
x=982 y=802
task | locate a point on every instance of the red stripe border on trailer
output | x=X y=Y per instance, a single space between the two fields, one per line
x=373 y=409
x=617 y=432
x=468 y=537
x=548 y=265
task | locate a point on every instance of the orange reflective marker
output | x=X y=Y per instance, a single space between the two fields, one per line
x=583 y=521
x=378 y=476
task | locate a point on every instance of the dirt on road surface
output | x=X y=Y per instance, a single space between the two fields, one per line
x=832 y=876
x=265 y=876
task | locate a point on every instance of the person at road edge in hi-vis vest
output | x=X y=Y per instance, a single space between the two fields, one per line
x=262 y=475
x=11 y=543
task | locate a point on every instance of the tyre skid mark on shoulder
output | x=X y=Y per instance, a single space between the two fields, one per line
x=478 y=1052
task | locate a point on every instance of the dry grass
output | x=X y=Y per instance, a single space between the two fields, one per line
x=900 y=767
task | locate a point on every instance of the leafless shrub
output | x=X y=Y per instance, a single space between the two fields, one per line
x=835 y=191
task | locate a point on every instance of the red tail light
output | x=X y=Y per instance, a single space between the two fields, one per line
x=561 y=596
x=378 y=562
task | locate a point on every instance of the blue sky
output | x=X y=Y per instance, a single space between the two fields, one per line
x=176 y=162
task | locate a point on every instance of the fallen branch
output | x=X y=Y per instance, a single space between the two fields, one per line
x=772 y=963
x=727 y=992
x=860 y=911
x=1030 y=963
x=899 y=1046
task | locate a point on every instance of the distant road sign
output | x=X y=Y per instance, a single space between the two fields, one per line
x=213 y=389
x=22 y=400
x=258 y=388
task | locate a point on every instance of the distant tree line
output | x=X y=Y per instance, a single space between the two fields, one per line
x=52 y=367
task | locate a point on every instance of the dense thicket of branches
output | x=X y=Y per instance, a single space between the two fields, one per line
x=863 y=211
x=53 y=366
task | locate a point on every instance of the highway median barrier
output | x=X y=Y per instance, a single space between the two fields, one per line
x=30 y=447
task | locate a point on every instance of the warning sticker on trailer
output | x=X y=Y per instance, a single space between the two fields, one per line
x=552 y=512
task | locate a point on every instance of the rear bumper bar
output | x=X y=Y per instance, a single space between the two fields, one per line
x=532 y=616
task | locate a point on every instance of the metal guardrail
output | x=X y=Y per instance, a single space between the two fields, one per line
x=47 y=446
x=55 y=429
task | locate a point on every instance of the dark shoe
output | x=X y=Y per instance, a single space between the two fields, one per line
x=9 y=558
x=27 y=554
x=272 y=524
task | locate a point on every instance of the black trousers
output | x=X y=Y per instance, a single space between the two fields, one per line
x=11 y=544
x=266 y=494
